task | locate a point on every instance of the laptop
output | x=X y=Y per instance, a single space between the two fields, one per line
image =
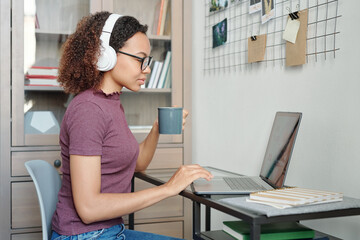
x=274 y=167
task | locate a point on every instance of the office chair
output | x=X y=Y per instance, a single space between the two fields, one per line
x=47 y=183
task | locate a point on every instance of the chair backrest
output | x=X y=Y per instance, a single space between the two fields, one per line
x=47 y=183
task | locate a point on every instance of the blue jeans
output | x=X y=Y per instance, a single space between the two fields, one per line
x=117 y=232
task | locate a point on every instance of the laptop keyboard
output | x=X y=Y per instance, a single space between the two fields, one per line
x=243 y=184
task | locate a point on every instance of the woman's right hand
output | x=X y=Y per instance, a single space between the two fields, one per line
x=184 y=176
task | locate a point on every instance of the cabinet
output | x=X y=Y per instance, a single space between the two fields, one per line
x=31 y=115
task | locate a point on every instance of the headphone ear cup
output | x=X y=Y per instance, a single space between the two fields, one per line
x=107 y=59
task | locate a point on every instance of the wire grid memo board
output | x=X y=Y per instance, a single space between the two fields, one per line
x=321 y=33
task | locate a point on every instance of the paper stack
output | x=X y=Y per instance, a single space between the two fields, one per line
x=294 y=196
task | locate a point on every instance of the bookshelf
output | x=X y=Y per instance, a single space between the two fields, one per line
x=42 y=47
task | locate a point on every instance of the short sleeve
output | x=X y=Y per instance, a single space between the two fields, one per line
x=86 y=129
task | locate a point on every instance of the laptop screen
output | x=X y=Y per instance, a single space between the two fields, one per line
x=279 y=149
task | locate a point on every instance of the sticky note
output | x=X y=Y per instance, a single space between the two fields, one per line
x=291 y=30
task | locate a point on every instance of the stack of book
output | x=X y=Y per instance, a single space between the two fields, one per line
x=42 y=76
x=161 y=73
x=294 y=196
x=272 y=231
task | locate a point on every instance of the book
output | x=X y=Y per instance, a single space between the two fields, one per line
x=157 y=75
x=41 y=82
x=153 y=73
x=156 y=18
x=294 y=196
x=168 y=78
x=163 y=17
x=41 y=76
x=272 y=231
x=167 y=27
x=28 y=76
x=160 y=17
x=164 y=70
x=36 y=71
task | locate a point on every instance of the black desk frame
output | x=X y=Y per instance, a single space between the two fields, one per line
x=254 y=219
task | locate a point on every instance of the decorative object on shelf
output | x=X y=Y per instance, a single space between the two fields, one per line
x=41 y=122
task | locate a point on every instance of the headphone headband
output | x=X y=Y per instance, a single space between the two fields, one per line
x=108 y=28
x=107 y=58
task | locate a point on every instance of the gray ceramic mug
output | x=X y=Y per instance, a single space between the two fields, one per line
x=170 y=120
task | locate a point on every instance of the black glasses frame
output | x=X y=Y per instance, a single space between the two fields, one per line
x=141 y=59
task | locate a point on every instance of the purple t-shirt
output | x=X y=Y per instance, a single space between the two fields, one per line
x=94 y=125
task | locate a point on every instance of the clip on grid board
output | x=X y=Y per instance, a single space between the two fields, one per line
x=232 y=55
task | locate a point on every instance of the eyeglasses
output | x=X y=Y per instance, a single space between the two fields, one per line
x=145 y=61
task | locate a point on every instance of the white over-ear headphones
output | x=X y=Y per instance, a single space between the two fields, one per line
x=107 y=58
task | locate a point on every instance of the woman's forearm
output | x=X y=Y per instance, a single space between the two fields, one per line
x=147 y=148
x=105 y=206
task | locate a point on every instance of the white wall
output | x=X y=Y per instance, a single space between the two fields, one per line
x=233 y=113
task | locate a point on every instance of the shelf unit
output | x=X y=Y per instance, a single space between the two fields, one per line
x=18 y=202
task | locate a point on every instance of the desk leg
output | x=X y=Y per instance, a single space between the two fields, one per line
x=207 y=218
x=196 y=219
x=131 y=215
x=255 y=232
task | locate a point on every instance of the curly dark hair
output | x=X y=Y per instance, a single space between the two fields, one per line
x=78 y=64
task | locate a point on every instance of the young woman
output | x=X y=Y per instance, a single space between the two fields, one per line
x=99 y=153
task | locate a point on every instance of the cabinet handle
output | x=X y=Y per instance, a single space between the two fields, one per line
x=57 y=163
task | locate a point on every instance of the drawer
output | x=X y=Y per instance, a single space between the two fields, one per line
x=171 y=229
x=170 y=207
x=27 y=236
x=167 y=158
x=25 y=205
x=18 y=160
x=164 y=138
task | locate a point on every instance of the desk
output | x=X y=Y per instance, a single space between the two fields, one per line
x=253 y=218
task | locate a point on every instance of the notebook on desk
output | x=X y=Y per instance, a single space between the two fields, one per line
x=274 y=167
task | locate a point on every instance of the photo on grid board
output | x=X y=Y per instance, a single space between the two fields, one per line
x=254 y=6
x=216 y=5
x=220 y=33
x=267 y=10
